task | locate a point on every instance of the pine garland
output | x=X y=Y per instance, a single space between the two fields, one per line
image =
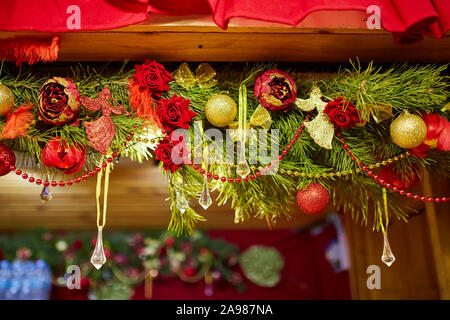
x=90 y=82
x=417 y=88
x=414 y=88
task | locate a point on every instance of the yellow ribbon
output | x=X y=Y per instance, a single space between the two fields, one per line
x=386 y=215
x=98 y=192
x=204 y=76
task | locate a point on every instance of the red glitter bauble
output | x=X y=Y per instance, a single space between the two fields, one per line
x=7 y=156
x=314 y=199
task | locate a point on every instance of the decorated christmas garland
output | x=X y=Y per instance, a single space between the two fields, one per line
x=261 y=137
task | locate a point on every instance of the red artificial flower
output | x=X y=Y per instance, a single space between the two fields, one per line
x=189 y=271
x=438 y=135
x=84 y=282
x=77 y=244
x=342 y=113
x=162 y=251
x=170 y=241
x=275 y=90
x=57 y=153
x=107 y=253
x=171 y=161
x=58 y=101
x=153 y=76
x=174 y=113
x=402 y=181
x=120 y=258
x=186 y=247
x=420 y=151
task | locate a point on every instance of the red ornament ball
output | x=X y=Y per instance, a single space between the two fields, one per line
x=8 y=159
x=314 y=199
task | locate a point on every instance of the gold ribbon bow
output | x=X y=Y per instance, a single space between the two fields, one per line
x=320 y=128
x=204 y=76
x=260 y=118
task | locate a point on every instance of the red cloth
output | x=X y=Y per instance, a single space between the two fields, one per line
x=52 y=15
x=408 y=20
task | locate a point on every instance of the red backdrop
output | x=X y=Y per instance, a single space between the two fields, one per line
x=409 y=20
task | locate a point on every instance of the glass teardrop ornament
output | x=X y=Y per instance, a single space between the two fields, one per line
x=46 y=195
x=98 y=258
x=205 y=198
x=243 y=169
x=387 y=256
x=181 y=202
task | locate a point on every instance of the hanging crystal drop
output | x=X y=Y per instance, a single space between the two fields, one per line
x=205 y=198
x=98 y=258
x=181 y=202
x=243 y=169
x=46 y=195
x=387 y=256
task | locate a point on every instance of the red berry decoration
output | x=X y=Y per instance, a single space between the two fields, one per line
x=314 y=199
x=8 y=159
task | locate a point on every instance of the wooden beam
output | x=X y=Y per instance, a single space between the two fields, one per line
x=437 y=219
x=193 y=43
x=136 y=201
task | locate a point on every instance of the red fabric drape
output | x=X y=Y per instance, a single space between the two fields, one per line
x=54 y=15
x=408 y=20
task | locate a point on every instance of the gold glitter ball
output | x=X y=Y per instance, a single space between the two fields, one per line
x=220 y=110
x=408 y=131
x=6 y=100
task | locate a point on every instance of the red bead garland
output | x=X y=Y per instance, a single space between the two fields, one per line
x=252 y=176
x=69 y=182
x=382 y=183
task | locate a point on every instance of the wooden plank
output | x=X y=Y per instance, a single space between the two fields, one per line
x=242 y=44
x=412 y=276
x=136 y=201
x=438 y=225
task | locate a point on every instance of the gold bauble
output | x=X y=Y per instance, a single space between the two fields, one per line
x=408 y=131
x=6 y=100
x=220 y=110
